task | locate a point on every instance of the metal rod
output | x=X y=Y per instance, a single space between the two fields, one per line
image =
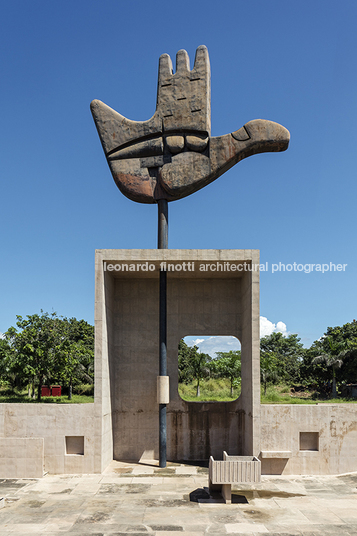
x=162 y=243
x=163 y=324
x=162 y=235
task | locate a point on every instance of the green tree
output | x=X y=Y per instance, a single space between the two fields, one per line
x=317 y=373
x=6 y=363
x=289 y=353
x=47 y=348
x=71 y=363
x=184 y=370
x=346 y=335
x=199 y=366
x=193 y=365
x=332 y=356
x=228 y=365
x=76 y=358
x=79 y=331
x=35 y=347
x=268 y=369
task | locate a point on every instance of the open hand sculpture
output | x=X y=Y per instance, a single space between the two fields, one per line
x=172 y=155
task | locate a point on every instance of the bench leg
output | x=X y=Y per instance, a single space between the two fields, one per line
x=227 y=493
x=214 y=487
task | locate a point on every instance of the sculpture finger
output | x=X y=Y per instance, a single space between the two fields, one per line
x=183 y=97
x=131 y=148
x=202 y=65
x=116 y=131
x=165 y=70
x=257 y=136
x=190 y=171
x=182 y=62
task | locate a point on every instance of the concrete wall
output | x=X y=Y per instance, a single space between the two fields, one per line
x=104 y=381
x=199 y=303
x=50 y=424
x=21 y=457
x=331 y=430
x=123 y=421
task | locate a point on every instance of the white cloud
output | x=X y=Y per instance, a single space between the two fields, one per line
x=2 y=336
x=216 y=343
x=211 y=345
x=281 y=327
x=267 y=327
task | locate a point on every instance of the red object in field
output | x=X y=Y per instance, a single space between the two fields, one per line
x=56 y=390
x=45 y=390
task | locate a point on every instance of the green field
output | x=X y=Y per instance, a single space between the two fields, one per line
x=21 y=397
x=219 y=390
x=210 y=391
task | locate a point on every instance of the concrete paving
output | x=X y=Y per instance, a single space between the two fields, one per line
x=142 y=499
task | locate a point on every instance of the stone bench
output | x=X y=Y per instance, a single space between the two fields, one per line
x=232 y=470
x=270 y=454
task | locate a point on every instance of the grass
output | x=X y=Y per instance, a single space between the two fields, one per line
x=210 y=391
x=219 y=390
x=282 y=394
x=20 y=397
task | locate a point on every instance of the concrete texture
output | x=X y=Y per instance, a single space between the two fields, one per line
x=173 y=154
x=317 y=439
x=200 y=302
x=123 y=421
x=21 y=456
x=232 y=470
x=145 y=500
x=33 y=439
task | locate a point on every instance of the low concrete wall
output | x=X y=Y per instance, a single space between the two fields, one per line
x=21 y=457
x=123 y=421
x=23 y=426
x=199 y=430
x=307 y=439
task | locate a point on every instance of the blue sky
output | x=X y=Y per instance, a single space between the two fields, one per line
x=290 y=62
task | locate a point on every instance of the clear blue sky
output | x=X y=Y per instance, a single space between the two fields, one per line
x=290 y=62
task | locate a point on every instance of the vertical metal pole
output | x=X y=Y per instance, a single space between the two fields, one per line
x=162 y=244
x=162 y=240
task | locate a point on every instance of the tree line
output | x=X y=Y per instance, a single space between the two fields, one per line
x=329 y=365
x=194 y=366
x=46 y=349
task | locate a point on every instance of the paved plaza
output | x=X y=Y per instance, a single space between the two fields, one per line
x=142 y=499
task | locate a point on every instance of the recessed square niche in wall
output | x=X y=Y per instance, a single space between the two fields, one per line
x=309 y=441
x=75 y=445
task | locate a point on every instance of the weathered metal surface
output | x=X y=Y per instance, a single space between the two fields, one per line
x=162 y=365
x=172 y=155
x=163 y=224
x=162 y=244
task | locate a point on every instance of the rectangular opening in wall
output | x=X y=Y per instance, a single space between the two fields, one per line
x=209 y=368
x=309 y=441
x=75 y=445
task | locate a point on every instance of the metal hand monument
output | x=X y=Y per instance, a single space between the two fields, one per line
x=172 y=155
